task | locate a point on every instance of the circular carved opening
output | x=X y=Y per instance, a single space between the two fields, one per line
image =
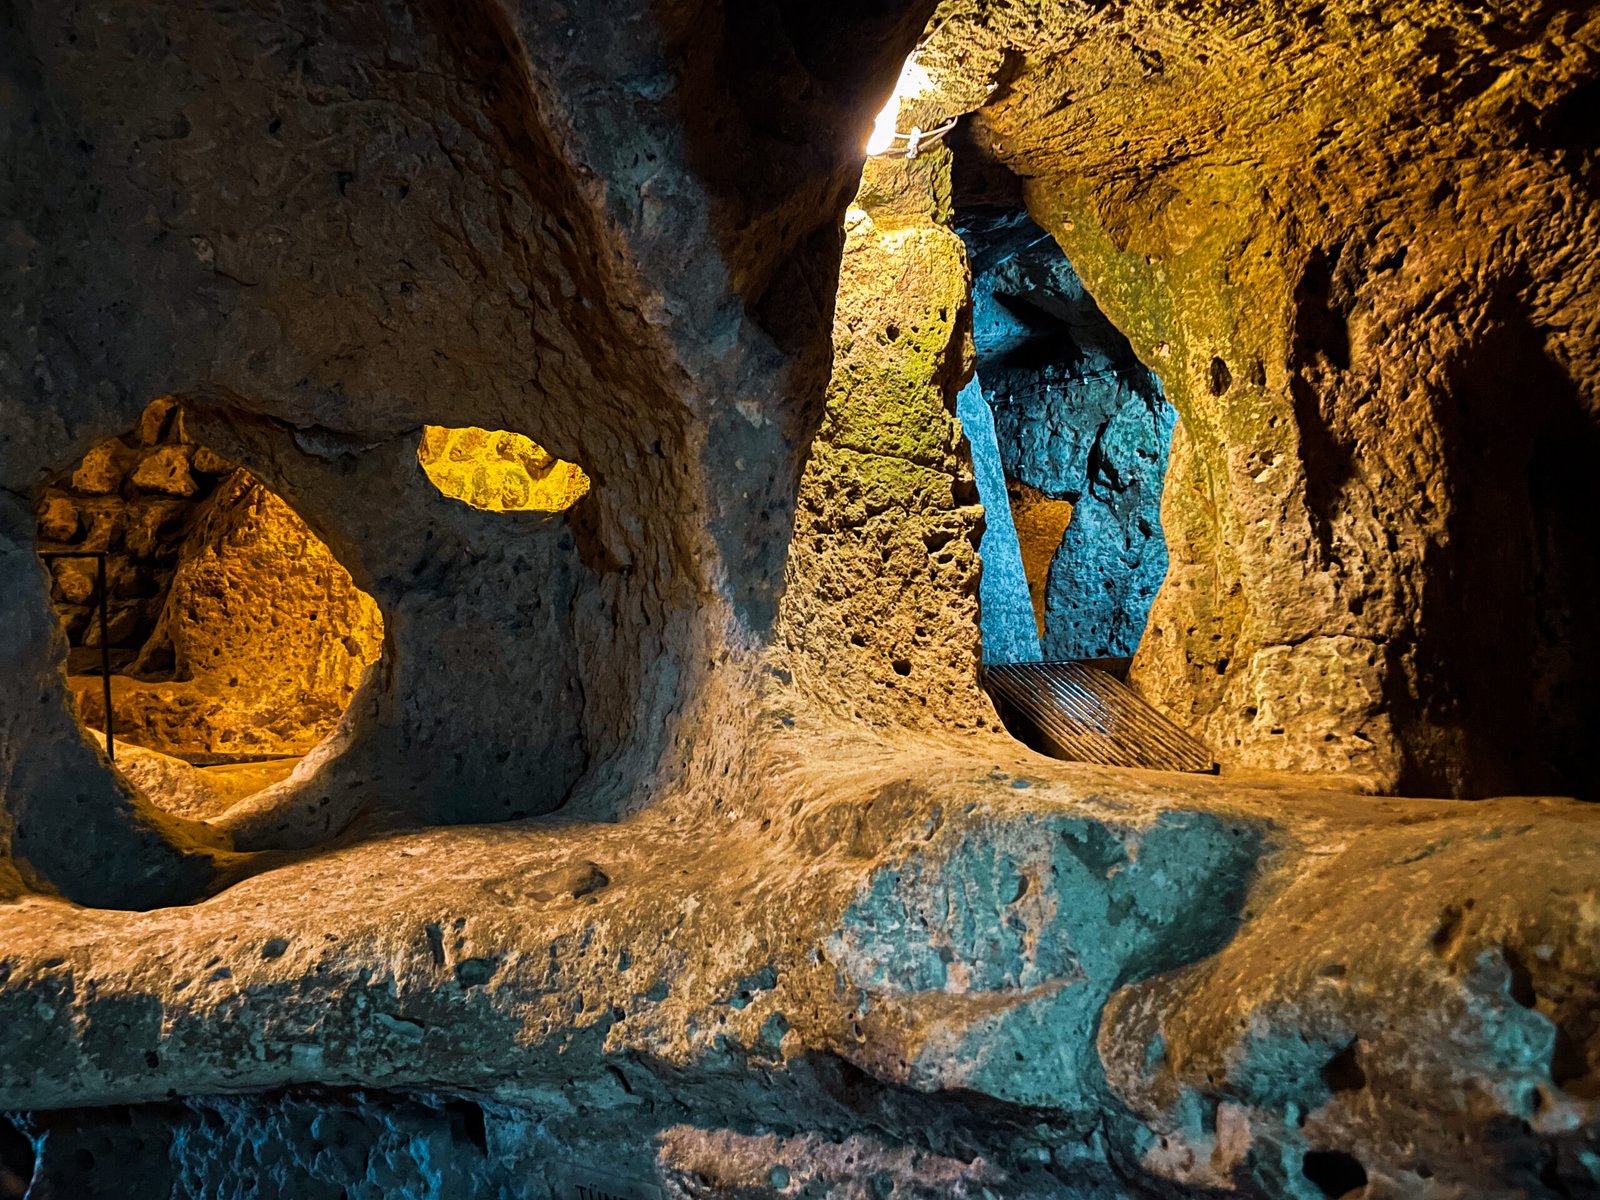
x=226 y=636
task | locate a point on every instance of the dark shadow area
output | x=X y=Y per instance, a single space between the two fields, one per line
x=1569 y=131
x=1335 y=1173
x=16 y=1161
x=1511 y=661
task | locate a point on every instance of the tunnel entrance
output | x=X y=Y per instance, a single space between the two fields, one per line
x=1070 y=435
x=1080 y=437
x=234 y=639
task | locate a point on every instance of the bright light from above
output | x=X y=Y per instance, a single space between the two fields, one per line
x=914 y=82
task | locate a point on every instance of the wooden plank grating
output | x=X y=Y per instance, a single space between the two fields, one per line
x=1074 y=712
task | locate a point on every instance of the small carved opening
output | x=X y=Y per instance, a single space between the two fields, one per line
x=232 y=637
x=499 y=471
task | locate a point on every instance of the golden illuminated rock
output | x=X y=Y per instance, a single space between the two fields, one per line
x=155 y=422
x=266 y=633
x=99 y=474
x=166 y=471
x=500 y=471
x=58 y=520
x=1041 y=523
x=74 y=578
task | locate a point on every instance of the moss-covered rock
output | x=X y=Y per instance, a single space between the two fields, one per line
x=1345 y=240
x=880 y=614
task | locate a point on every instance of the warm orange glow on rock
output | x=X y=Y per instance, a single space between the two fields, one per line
x=499 y=471
x=1041 y=524
x=234 y=632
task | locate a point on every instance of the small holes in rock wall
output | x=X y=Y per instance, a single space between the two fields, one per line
x=1519 y=979
x=499 y=471
x=1335 y=1174
x=1221 y=377
x=1343 y=1072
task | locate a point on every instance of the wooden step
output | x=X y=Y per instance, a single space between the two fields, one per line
x=1072 y=711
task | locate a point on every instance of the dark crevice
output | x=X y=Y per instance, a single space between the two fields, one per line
x=1520 y=979
x=1335 y=1174
x=16 y=1161
x=1342 y=1072
x=467 y=1124
x=1321 y=342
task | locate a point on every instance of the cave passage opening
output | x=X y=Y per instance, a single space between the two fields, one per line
x=1070 y=436
x=235 y=639
x=1064 y=434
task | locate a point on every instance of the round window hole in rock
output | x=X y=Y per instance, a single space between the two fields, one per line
x=235 y=639
x=499 y=471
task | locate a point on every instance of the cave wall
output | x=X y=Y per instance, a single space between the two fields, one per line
x=880 y=614
x=1339 y=263
x=1083 y=431
x=326 y=228
x=796 y=930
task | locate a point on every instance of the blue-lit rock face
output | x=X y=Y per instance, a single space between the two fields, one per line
x=1010 y=633
x=1010 y=948
x=1077 y=417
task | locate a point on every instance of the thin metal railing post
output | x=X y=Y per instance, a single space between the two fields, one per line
x=105 y=632
x=105 y=653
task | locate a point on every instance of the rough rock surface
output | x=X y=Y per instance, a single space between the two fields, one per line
x=324 y=227
x=1083 y=431
x=880 y=618
x=135 y=498
x=263 y=634
x=499 y=471
x=200 y=793
x=1344 y=236
x=792 y=934
x=1008 y=621
x=936 y=968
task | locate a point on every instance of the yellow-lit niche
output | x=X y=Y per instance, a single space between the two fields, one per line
x=499 y=471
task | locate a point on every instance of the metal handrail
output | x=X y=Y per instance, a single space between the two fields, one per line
x=105 y=630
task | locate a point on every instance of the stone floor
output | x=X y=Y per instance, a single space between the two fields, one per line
x=1132 y=978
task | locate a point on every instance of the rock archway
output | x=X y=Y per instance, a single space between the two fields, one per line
x=234 y=639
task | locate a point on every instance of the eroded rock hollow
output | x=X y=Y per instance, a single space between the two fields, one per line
x=541 y=497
